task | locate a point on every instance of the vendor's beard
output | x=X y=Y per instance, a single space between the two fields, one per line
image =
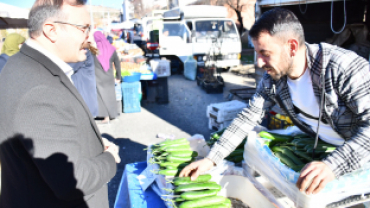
x=285 y=60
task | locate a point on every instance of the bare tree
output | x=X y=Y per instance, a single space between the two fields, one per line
x=237 y=10
x=139 y=10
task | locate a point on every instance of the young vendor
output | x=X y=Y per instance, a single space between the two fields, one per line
x=301 y=77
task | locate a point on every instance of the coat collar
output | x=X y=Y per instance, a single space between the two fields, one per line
x=56 y=71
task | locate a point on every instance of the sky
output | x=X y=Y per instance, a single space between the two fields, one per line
x=26 y=4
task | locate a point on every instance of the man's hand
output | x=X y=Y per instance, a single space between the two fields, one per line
x=111 y=148
x=106 y=143
x=196 y=168
x=317 y=172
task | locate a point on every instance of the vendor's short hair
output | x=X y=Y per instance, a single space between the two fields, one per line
x=43 y=10
x=278 y=22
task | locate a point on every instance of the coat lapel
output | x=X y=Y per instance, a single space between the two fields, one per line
x=56 y=71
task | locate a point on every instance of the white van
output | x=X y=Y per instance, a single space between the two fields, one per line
x=191 y=31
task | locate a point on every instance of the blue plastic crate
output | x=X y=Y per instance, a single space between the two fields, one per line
x=152 y=76
x=133 y=78
x=131 y=97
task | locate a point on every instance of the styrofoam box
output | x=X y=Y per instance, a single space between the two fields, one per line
x=259 y=158
x=233 y=185
x=214 y=125
x=225 y=111
x=237 y=187
x=161 y=67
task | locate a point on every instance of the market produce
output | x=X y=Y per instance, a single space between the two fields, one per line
x=172 y=156
x=176 y=165
x=198 y=193
x=168 y=172
x=275 y=137
x=197 y=186
x=296 y=152
x=186 y=180
x=192 y=195
x=135 y=67
x=184 y=154
x=125 y=73
x=205 y=201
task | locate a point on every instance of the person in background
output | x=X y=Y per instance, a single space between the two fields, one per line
x=108 y=36
x=105 y=79
x=166 y=32
x=130 y=36
x=51 y=150
x=124 y=35
x=84 y=77
x=11 y=46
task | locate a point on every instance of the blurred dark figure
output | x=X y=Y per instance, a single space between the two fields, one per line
x=130 y=36
x=84 y=77
x=11 y=46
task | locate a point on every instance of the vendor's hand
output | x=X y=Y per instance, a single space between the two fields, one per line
x=114 y=150
x=196 y=168
x=317 y=172
x=118 y=80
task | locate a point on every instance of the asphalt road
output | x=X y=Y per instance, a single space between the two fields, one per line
x=183 y=116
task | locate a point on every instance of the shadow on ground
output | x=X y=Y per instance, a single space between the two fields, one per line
x=136 y=153
x=188 y=103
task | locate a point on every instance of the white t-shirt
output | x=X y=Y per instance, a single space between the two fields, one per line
x=304 y=98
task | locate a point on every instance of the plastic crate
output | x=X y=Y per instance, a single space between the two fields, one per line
x=162 y=91
x=131 y=97
x=214 y=125
x=275 y=123
x=161 y=67
x=261 y=159
x=225 y=111
x=244 y=93
x=133 y=78
x=190 y=68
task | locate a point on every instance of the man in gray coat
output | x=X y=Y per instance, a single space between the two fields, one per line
x=51 y=151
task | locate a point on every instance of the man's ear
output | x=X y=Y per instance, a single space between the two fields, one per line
x=50 y=32
x=293 y=45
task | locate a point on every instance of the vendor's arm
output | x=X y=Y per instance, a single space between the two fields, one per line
x=354 y=90
x=353 y=86
x=234 y=134
x=250 y=117
x=52 y=137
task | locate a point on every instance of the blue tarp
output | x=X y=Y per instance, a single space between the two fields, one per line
x=130 y=194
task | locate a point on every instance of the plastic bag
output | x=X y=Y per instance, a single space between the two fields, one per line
x=259 y=157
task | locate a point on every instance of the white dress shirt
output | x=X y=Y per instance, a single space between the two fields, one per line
x=59 y=62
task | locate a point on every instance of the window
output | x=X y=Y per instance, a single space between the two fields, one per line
x=190 y=25
x=176 y=29
x=214 y=28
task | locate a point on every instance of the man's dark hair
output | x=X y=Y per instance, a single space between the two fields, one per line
x=278 y=21
x=43 y=10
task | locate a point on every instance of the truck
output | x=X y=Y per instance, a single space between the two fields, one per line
x=193 y=31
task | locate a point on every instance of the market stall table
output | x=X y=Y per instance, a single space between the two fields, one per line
x=129 y=192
